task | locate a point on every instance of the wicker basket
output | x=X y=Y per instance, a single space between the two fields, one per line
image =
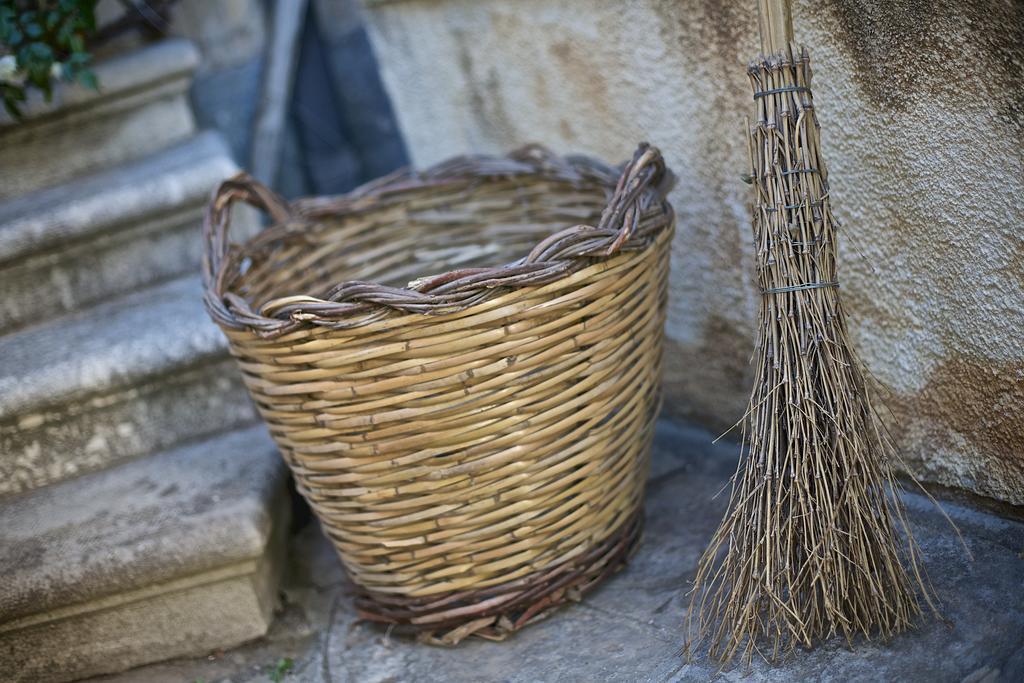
x=474 y=443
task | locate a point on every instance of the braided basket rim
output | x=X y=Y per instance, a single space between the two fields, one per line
x=640 y=189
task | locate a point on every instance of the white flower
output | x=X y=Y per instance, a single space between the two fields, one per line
x=57 y=71
x=9 y=70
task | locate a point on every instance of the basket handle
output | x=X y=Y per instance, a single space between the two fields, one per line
x=217 y=220
x=645 y=170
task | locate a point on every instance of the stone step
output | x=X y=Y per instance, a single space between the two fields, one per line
x=172 y=555
x=142 y=106
x=73 y=245
x=131 y=376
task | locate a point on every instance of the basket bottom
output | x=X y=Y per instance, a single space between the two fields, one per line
x=496 y=612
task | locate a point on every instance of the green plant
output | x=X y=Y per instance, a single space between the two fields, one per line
x=283 y=666
x=43 y=42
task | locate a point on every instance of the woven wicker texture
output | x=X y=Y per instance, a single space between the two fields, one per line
x=474 y=443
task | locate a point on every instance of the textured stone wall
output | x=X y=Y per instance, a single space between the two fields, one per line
x=922 y=109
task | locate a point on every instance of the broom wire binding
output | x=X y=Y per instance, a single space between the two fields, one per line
x=815 y=542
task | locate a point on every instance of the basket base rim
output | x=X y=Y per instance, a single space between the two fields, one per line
x=496 y=612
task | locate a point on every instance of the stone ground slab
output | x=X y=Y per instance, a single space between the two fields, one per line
x=631 y=628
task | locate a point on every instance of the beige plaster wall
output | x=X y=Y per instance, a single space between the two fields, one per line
x=922 y=108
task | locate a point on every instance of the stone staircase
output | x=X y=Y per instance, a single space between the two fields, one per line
x=142 y=507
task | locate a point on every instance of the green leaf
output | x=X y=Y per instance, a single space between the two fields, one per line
x=283 y=666
x=41 y=34
x=65 y=33
x=13 y=92
x=39 y=77
x=88 y=17
x=41 y=52
x=88 y=79
x=24 y=56
x=12 y=95
x=12 y=108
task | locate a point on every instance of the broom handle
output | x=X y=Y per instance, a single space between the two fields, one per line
x=775 y=21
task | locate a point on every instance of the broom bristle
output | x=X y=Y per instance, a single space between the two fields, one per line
x=814 y=543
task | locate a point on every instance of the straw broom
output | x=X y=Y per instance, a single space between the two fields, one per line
x=814 y=543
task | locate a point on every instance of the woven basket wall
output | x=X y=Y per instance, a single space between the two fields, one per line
x=474 y=443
